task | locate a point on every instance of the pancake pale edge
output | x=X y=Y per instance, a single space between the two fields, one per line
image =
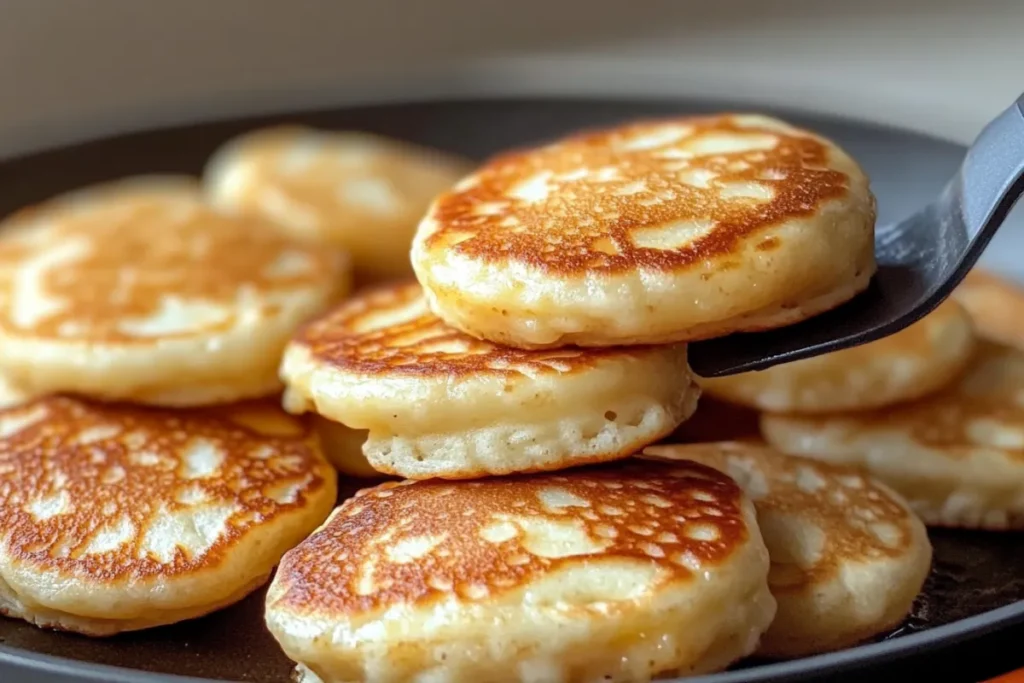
x=343 y=447
x=848 y=555
x=134 y=290
x=912 y=363
x=119 y=518
x=355 y=190
x=439 y=403
x=614 y=573
x=590 y=240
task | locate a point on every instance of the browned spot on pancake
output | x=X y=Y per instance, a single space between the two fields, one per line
x=858 y=521
x=557 y=206
x=124 y=258
x=421 y=542
x=390 y=330
x=85 y=487
x=769 y=244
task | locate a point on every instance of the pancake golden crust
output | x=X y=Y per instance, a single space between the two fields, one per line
x=389 y=330
x=633 y=215
x=848 y=555
x=957 y=456
x=355 y=190
x=135 y=290
x=912 y=363
x=599 y=572
x=439 y=403
x=117 y=518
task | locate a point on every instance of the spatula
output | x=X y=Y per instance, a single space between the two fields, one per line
x=921 y=259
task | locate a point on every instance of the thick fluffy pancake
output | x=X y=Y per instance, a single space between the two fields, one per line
x=957 y=456
x=652 y=232
x=116 y=518
x=912 y=363
x=355 y=190
x=848 y=556
x=439 y=403
x=136 y=291
x=343 y=447
x=615 y=573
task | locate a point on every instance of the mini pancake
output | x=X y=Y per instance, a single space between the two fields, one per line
x=912 y=363
x=136 y=291
x=993 y=302
x=653 y=232
x=848 y=555
x=359 y=191
x=118 y=518
x=439 y=403
x=615 y=573
x=343 y=447
x=957 y=456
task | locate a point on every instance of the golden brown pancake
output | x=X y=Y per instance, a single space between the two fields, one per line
x=617 y=573
x=848 y=555
x=117 y=518
x=135 y=290
x=994 y=303
x=651 y=232
x=912 y=363
x=359 y=191
x=439 y=403
x=957 y=456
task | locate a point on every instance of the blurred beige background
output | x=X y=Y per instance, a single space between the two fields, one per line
x=71 y=69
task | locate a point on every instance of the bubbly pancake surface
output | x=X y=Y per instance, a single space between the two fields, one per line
x=135 y=290
x=360 y=191
x=439 y=403
x=912 y=363
x=848 y=555
x=590 y=239
x=116 y=518
x=614 y=573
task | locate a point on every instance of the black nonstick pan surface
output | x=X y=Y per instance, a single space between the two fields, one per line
x=972 y=607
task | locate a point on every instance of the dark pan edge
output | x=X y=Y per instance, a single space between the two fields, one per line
x=60 y=670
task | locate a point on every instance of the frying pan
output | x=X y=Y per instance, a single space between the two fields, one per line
x=972 y=604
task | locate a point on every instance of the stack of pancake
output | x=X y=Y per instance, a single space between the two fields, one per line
x=513 y=362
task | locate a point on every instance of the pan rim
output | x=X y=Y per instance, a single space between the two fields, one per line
x=886 y=650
